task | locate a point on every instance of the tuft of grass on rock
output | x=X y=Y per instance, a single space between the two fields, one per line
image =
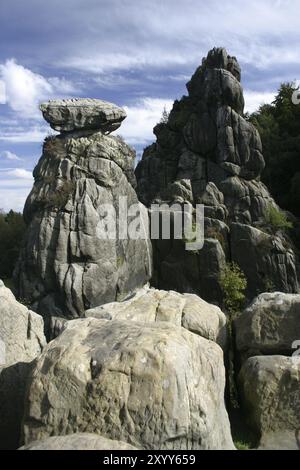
x=240 y=445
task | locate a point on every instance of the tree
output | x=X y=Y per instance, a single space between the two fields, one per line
x=277 y=219
x=279 y=127
x=233 y=283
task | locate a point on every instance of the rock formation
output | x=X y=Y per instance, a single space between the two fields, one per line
x=208 y=153
x=21 y=341
x=78 y=441
x=267 y=335
x=144 y=369
x=83 y=114
x=186 y=310
x=152 y=385
x=270 y=325
x=270 y=387
x=65 y=267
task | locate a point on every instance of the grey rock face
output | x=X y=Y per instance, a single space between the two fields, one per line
x=270 y=325
x=78 y=441
x=155 y=386
x=280 y=440
x=267 y=261
x=208 y=153
x=82 y=114
x=21 y=341
x=21 y=330
x=66 y=265
x=271 y=395
x=186 y=310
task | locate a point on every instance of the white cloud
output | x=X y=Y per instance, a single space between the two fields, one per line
x=2 y=92
x=31 y=135
x=108 y=62
x=62 y=86
x=15 y=185
x=23 y=89
x=254 y=99
x=20 y=173
x=7 y=155
x=137 y=129
x=12 y=199
x=150 y=34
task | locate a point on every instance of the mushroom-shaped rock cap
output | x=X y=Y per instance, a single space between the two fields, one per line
x=82 y=114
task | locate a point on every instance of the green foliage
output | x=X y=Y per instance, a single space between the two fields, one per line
x=240 y=445
x=277 y=219
x=233 y=283
x=279 y=128
x=12 y=229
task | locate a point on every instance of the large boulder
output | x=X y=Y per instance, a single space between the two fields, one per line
x=74 y=256
x=21 y=341
x=186 y=310
x=266 y=260
x=82 y=114
x=78 y=441
x=208 y=153
x=270 y=392
x=269 y=326
x=155 y=386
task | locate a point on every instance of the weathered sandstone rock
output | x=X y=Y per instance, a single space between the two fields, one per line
x=270 y=325
x=155 y=386
x=69 y=263
x=208 y=153
x=21 y=341
x=82 y=114
x=186 y=310
x=79 y=441
x=270 y=391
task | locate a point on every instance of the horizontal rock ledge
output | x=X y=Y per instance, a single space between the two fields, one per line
x=82 y=114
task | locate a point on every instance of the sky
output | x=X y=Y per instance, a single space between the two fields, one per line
x=138 y=54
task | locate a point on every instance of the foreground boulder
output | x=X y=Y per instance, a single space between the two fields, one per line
x=21 y=341
x=270 y=391
x=152 y=305
x=79 y=441
x=155 y=386
x=270 y=325
x=87 y=114
x=207 y=153
x=73 y=256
